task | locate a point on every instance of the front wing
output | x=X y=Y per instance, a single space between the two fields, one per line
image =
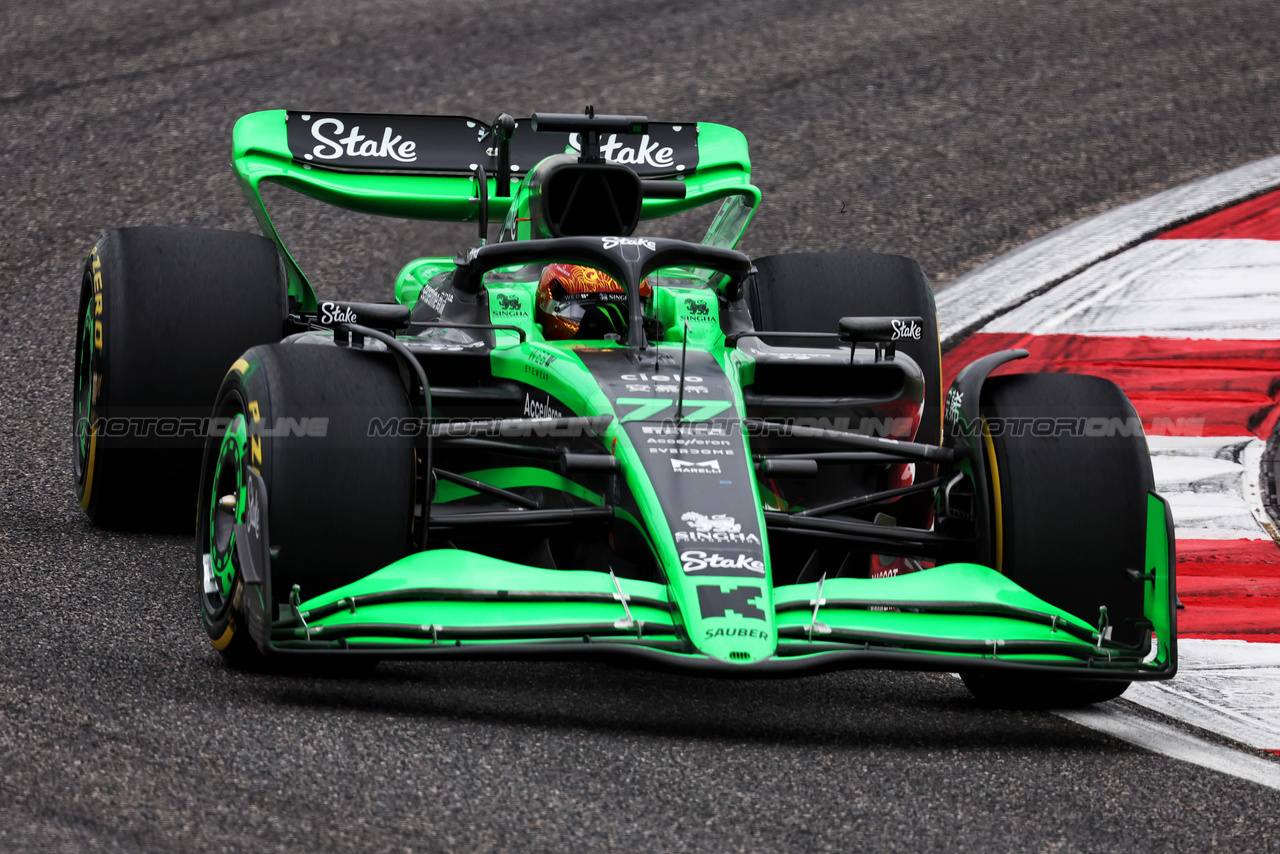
x=450 y=603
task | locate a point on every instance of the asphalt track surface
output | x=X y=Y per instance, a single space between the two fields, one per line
x=950 y=131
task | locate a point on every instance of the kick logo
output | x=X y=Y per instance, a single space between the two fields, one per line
x=716 y=602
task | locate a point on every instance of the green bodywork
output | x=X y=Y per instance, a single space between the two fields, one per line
x=454 y=602
x=260 y=152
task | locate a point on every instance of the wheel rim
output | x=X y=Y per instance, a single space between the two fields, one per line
x=84 y=396
x=227 y=501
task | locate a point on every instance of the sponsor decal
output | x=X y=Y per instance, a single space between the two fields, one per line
x=97 y=317
x=457 y=144
x=682 y=442
x=668 y=388
x=252 y=511
x=708 y=564
x=332 y=312
x=695 y=466
x=447 y=346
x=808 y=357
x=651 y=408
x=508 y=305
x=955 y=398
x=697 y=309
x=720 y=528
x=436 y=300
x=733 y=632
x=683 y=432
x=713 y=601
x=673 y=377
x=643 y=153
x=906 y=329
x=538 y=364
x=544 y=359
x=328 y=131
x=615 y=242
x=540 y=409
x=719 y=522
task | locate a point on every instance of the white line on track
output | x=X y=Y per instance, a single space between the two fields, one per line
x=1012 y=279
x=1223 y=686
x=1116 y=720
x=1205 y=479
x=1167 y=288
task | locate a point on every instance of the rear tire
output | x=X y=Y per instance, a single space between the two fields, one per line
x=1070 y=514
x=340 y=501
x=811 y=291
x=163 y=312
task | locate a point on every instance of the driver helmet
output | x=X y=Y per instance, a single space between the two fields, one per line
x=569 y=294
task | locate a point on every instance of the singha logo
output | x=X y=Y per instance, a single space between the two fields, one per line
x=720 y=528
x=508 y=303
x=721 y=522
x=696 y=307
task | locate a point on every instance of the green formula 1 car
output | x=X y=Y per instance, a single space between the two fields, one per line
x=579 y=441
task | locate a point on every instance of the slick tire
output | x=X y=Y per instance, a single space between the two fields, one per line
x=1069 y=513
x=163 y=313
x=811 y=291
x=1006 y=691
x=339 y=500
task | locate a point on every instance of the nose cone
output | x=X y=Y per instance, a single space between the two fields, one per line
x=733 y=620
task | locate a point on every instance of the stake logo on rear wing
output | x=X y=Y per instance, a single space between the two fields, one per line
x=456 y=145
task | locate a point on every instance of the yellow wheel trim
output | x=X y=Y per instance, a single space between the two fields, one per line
x=221 y=643
x=88 y=477
x=995 y=492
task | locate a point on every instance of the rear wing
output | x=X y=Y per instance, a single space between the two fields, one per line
x=424 y=167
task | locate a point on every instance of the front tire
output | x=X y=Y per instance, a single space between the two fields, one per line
x=339 y=496
x=1070 y=476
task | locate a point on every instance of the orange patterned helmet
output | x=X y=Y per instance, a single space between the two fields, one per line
x=568 y=292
